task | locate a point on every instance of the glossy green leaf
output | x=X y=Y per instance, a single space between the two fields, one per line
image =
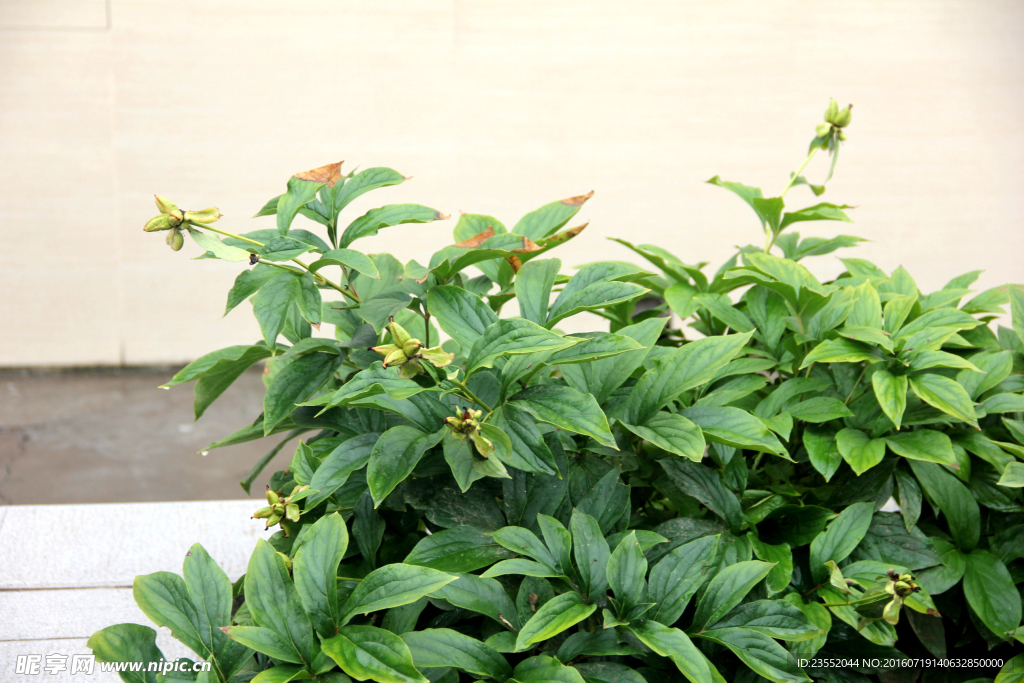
x=705 y=484
x=859 y=450
x=315 y=569
x=1012 y=476
x=819 y=409
x=295 y=380
x=391 y=586
x=676 y=645
x=300 y=192
x=601 y=377
x=923 y=444
x=627 y=568
x=127 y=643
x=555 y=616
x=678 y=576
x=460 y=549
x=366 y=180
x=544 y=669
x=891 y=392
x=394 y=456
x=533 y=288
x=841 y=536
x=673 y=433
x=945 y=394
x=512 y=336
x=482 y=595
x=841 y=351
x=773 y=618
x=346 y=258
x=440 y=647
x=954 y=499
x=365 y=652
x=762 y=654
x=735 y=427
x=781 y=555
x=567 y=409
x=822 y=451
x=591 y=552
x=215 y=372
x=991 y=593
x=274 y=604
x=727 y=590
x=373 y=220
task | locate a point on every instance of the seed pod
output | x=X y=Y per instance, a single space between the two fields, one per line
x=483 y=446
x=165 y=205
x=175 y=240
x=274 y=519
x=891 y=613
x=291 y=511
x=412 y=347
x=157 y=223
x=210 y=215
x=832 y=111
x=396 y=357
x=823 y=129
x=843 y=118
x=902 y=589
x=398 y=334
x=272 y=496
x=263 y=513
x=410 y=369
x=842 y=136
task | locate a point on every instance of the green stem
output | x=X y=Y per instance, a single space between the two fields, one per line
x=344 y=290
x=770 y=238
x=471 y=396
x=855 y=385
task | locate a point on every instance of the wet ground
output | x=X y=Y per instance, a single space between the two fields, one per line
x=106 y=436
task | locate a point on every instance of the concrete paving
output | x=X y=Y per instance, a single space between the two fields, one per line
x=111 y=436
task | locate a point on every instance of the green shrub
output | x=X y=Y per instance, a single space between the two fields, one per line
x=509 y=501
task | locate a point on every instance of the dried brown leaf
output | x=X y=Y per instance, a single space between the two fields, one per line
x=478 y=239
x=577 y=201
x=329 y=174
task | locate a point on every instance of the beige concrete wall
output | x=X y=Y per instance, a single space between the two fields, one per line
x=495 y=107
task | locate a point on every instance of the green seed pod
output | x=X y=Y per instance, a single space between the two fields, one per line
x=902 y=589
x=274 y=519
x=843 y=118
x=175 y=240
x=206 y=216
x=291 y=511
x=165 y=205
x=385 y=349
x=396 y=357
x=410 y=369
x=842 y=136
x=263 y=513
x=398 y=334
x=832 y=111
x=157 y=223
x=412 y=347
x=483 y=446
x=891 y=613
x=823 y=129
x=272 y=496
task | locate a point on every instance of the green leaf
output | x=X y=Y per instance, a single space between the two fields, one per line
x=283 y=249
x=217 y=247
x=524 y=542
x=127 y=643
x=954 y=499
x=923 y=444
x=347 y=258
x=1013 y=671
x=271 y=304
x=1013 y=476
x=373 y=381
x=601 y=377
x=264 y=640
x=841 y=351
x=557 y=614
x=467 y=466
x=248 y=283
x=606 y=672
x=441 y=647
x=678 y=576
x=627 y=568
x=781 y=556
x=672 y=432
x=859 y=450
x=163 y=598
x=735 y=427
x=394 y=456
x=705 y=484
x=762 y=654
x=217 y=371
x=522 y=567
x=281 y=673
x=300 y=192
x=544 y=669
x=689 y=366
x=336 y=467
x=482 y=595
x=365 y=652
x=1017 y=309
x=294 y=380
x=392 y=586
x=744 y=192
x=818 y=212
x=891 y=392
x=209 y=591
x=727 y=590
x=822 y=451
x=843 y=534
x=533 y=288
x=945 y=394
x=991 y=593
x=593 y=347
x=674 y=644
x=773 y=618
x=595 y=296
x=275 y=606
x=591 y=551
x=373 y=220
x=512 y=336
x=315 y=568
x=549 y=218
x=567 y=409
x=529 y=451
x=819 y=409
x=366 y=180
x=459 y=549
x=888 y=540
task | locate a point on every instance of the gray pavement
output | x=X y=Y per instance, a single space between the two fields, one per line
x=110 y=435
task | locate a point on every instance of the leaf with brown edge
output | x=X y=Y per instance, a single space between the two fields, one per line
x=578 y=201
x=515 y=263
x=329 y=174
x=478 y=239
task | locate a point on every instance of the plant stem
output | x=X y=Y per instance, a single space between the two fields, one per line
x=856 y=384
x=344 y=290
x=769 y=240
x=468 y=394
